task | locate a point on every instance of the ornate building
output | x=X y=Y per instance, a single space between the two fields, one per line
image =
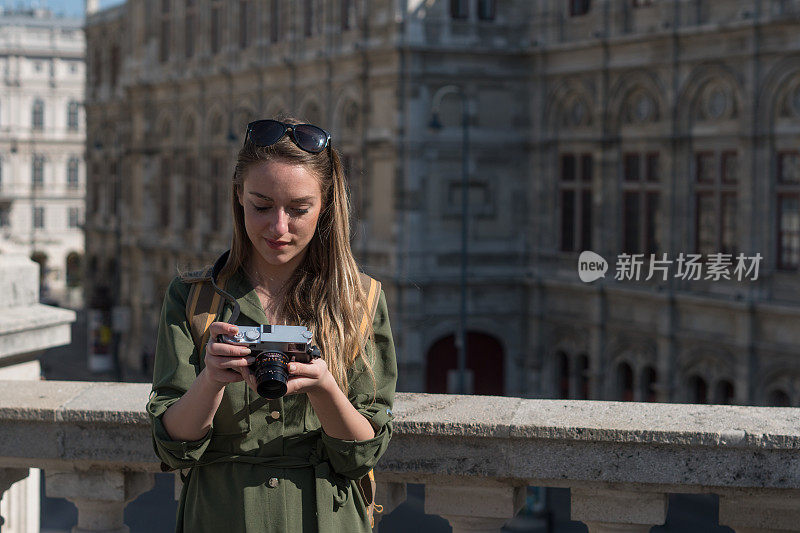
x=42 y=140
x=617 y=126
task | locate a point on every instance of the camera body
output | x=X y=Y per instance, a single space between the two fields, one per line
x=274 y=347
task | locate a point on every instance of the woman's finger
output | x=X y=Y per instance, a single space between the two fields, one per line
x=229 y=361
x=225 y=349
x=222 y=328
x=314 y=369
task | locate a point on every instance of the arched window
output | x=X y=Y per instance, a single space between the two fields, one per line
x=698 y=390
x=72 y=116
x=625 y=382
x=37 y=114
x=649 y=384
x=563 y=375
x=778 y=398
x=583 y=377
x=723 y=393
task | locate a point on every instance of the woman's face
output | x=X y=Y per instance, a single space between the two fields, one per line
x=281 y=203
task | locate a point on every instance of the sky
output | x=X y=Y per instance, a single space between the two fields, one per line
x=71 y=8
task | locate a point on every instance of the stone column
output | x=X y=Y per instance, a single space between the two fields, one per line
x=474 y=508
x=9 y=476
x=617 y=511
x=389 y=495
x=99 y=495
x=760 y=511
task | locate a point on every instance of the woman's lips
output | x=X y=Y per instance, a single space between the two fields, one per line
x=277 y=245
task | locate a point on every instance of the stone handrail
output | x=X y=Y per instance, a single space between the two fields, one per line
x=475 y=454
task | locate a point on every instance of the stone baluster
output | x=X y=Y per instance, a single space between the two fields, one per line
x=99 y=495
x=615 y=511
x=389 y=495
x=9 y=476
x=476 y=508
x=760 y=511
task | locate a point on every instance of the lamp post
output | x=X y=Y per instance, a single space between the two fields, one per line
x=435 y=124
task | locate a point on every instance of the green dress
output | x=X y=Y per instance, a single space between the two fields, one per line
x=267 y=465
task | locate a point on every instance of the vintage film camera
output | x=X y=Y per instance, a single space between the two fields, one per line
x=274 y=347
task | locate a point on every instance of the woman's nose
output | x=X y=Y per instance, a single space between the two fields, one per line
x=280 y=222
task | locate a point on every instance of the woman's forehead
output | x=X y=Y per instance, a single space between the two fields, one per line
x=278 y=178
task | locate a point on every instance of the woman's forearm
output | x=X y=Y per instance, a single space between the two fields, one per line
x=337 y=415
x=189 y=418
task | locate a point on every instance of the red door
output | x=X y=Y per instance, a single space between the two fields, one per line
x=484 y=357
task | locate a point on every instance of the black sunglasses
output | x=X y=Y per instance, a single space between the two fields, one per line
x=306 y=136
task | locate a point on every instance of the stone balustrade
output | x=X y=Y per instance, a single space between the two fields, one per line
x=475 y=455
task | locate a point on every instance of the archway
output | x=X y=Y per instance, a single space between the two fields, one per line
x=485 y=359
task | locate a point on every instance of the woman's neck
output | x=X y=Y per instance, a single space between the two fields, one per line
x=267 y=279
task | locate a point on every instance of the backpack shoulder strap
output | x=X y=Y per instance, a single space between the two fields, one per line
x=372 y=289
x=202 y=307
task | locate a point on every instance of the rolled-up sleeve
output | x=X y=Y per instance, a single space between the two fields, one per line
x=374 y=400
x=173 y=374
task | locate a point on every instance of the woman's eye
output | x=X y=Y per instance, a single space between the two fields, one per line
x=299 y=211
x=261 y=208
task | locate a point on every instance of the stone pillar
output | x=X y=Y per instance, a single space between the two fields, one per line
x=617 y=511
x=474 y=508
x=9 y=476
x=389 y=495
x=760 y=511
x=99 y=495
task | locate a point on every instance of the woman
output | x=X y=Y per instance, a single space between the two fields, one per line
x=289 y=464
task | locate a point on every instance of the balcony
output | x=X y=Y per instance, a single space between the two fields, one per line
x=475 y=455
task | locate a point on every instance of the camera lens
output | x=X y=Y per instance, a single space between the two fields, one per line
x=271 y=371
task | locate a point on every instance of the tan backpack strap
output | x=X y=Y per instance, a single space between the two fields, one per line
x=203 y=306
x=372 y=289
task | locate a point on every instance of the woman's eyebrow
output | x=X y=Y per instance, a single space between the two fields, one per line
x=302 y=199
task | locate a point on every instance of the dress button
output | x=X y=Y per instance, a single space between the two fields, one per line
x=275 y=414
x=273 y=482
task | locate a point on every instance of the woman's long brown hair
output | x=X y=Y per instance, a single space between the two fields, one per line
x=324 y=293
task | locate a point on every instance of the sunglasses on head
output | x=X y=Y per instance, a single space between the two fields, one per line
x=306 y=136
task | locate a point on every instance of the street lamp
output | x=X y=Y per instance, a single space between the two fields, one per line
x=435 y=124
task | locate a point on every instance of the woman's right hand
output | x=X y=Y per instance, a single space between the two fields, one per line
x=226 y=363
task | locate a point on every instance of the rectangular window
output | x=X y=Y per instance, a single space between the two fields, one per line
x=652 y=169
x=728 y=224
x=486 y=9
x=114 y=65
x=274 y=21
x=189 y=206
x=459 y=9
x=578 y=7
x=216 y=29
x=72 y=116
x=244 y=35
x=706 y=171
x=166 y=177
x=347 y=6
x=38 y=217
x=37 y=172
x=789 y=167
x=188 y=34
x=165 y=36
x=631 y=167
x=789 y=232
x=730 y=167
x=72 y=174
x=308 y=18
x=568 y=167
x=632 y=222
x=73 y=217
x=706 y=224
x=5 y=216
x=37 y=118
x=568 y=221
x=652 y=216
x=576 y=201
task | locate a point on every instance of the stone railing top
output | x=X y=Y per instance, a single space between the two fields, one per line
x=553 y=442
x=456 y=415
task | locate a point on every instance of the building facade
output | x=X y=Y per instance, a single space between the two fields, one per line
x=618 y=126
x=42 y=143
